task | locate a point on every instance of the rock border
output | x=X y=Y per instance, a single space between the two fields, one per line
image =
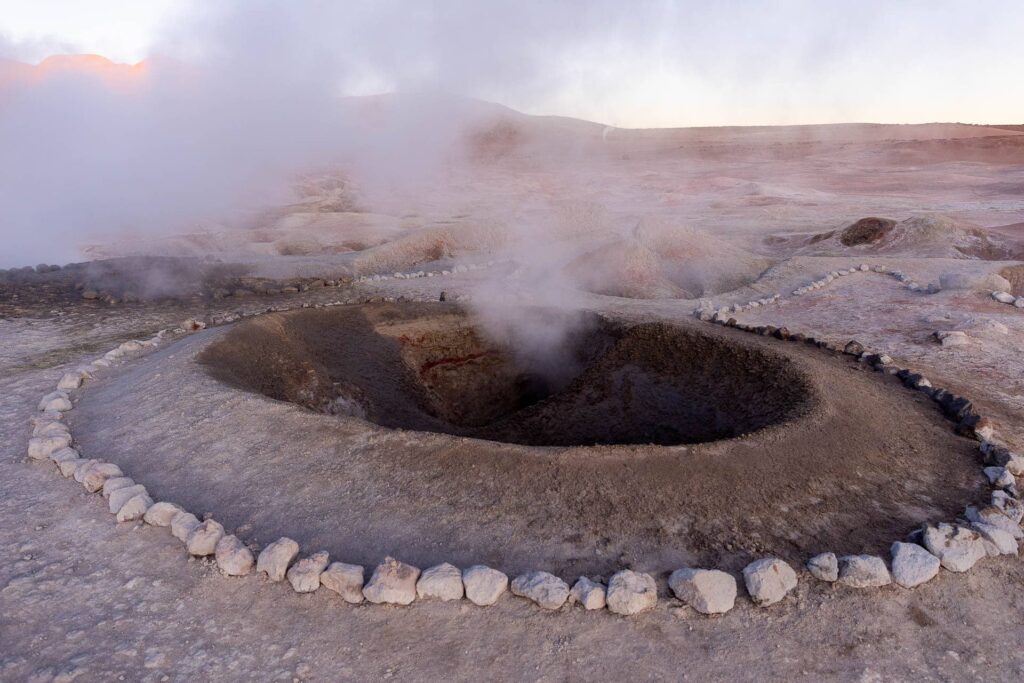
x=987 y=531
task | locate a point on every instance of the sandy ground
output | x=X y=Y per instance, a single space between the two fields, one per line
x=82 y=598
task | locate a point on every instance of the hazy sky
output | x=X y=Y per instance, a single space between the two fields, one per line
x=625 y=63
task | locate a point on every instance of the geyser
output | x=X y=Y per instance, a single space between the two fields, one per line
x=427 y=367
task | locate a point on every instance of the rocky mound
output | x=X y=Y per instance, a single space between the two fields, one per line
x=932 y=236
x=662 y=260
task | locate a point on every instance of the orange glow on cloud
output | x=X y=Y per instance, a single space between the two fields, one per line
x=111 y=74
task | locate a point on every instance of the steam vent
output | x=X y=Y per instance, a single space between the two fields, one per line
x=595 y=382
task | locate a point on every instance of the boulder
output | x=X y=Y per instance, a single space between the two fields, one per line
x=183 y=524
x=56 y=401
x=96 y=475
x=1003 y=297
x=392 y=582
x=81 y=470
x=42 y=447
x=67 y=467
x=993 y=516
x=135 y=508
x=233 y=559
x=854 y=348
x=64 y=454
x=863 y=571
x=1010 y=506
x=768 y=580
x=824 y=567
x=953 y=338
x=589 y=593
x=443 y=582
x=547 y=590
x=304 y=575
x=161 y=514
x=957 y=548
x=999 y=477
x=344 y=579
x=202 y=541
x=912 y=565
x=708 y=591
x=121 y=496
x=51 y=428
x=70 y=380
x=484 y=585
x=275 y=558
x=997 y=540
x=114 y=483
x=631 y=592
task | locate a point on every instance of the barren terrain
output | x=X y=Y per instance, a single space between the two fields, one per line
x=634 y=227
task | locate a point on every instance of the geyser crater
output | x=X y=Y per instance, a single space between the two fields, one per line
x=430 y=367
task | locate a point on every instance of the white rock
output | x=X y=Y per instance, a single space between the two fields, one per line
x=67 y=467
x=1019 y=302
x=953 y=338
x=708 y=591
x=64 y=454
x=824 y=567
x=1003 y=542
x=999 y=477
x=233 y=558
x=275 y=558
x=993 y=516
x=863 y=571
x=114 y=483
x=304 y=575
x=70 y=380
x=1010 y=506
x=484 y=585
x=96 y=475
x=50 y=428
x=631 y=592
x=547 y=590
x=768 y=580
x=55 y=400
x=344 y=579
x=183 y=524
x=121 y=496
x=957 y=548
x=135 y=508
x=162 y=514
x=1003 y=297
x=41 y=447
x=392 y=582
x=912 y=565
x=83 y=468
x=443 y=582
x=203 y=539
x=589 y=593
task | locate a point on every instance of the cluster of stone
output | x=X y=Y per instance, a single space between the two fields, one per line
x=829 y=277
x=986 y=531
x=461 y=268
x=1007 y=298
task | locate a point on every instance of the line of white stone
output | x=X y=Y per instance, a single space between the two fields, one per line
x=627 y=592
x=461 y=268
x=986 y=531
x=707 y=312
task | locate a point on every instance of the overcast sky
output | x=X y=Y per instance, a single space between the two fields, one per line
x=624 y=63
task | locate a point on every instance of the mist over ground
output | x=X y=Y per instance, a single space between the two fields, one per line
x=234 y=98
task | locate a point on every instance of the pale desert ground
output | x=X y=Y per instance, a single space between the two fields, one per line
x=634 y=226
